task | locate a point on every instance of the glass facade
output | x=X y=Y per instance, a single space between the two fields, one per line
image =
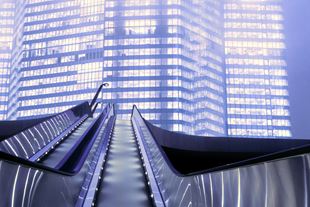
x=6 y=34
x=58 y=60
x=166 y=57
x=257 y=88
x=203 y=67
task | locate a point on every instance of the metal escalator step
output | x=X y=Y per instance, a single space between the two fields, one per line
x=55 y=156
x=123 y=182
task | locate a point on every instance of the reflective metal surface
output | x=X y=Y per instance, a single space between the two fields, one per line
x=52 y=159
x=280 y=182
x=123 y=182
x=22 y=185
x=31 y=141
x=283 y=182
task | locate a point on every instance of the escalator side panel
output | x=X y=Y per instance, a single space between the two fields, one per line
x=54 y=157
x=27 y=143
x=22 y=185
x=281 y=182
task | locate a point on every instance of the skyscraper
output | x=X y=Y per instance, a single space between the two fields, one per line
x=204 y=67
x=58 y=55
x=166 y=57
x=6 y=33
x=257 y=88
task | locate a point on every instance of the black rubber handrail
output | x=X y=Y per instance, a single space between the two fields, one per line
x=11 y=128
x=97 y=94
x=163 y=154
x=295 y=151
x=95 y=107
x=73 y=159
x=35 y=165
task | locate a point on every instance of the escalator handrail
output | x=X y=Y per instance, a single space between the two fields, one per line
x=91 y=180
x=34 y=165
x=95 y=107
x=154 y=187
x=86 y=138
x=135 y=108
x=247 y=162
x=58 y=138
x=80 y=109
x=292 y=152
x=94 y=100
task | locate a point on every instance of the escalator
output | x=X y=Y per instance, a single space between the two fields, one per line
x=106 y=161
x=217 y=171
x=53 y=158
x=58 y=178
x=123 y=174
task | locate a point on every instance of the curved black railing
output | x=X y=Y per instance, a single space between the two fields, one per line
x=11 y=128
x=32 y=142
x=149 y=165
x=93 y=177
x=31 y=139
x=180 y=149
x=93 y=102
x=73 y=160
x=225 y=183
x=28 y=183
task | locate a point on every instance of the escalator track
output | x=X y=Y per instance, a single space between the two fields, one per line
x=55 y=156
x=123 y=178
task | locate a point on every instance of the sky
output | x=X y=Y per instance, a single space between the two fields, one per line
x=297 y=30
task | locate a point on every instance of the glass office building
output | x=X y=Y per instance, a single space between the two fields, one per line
x=257 y=88
x=58 y=55
x=6 y=33
x=203 y=67
x=166 y=57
